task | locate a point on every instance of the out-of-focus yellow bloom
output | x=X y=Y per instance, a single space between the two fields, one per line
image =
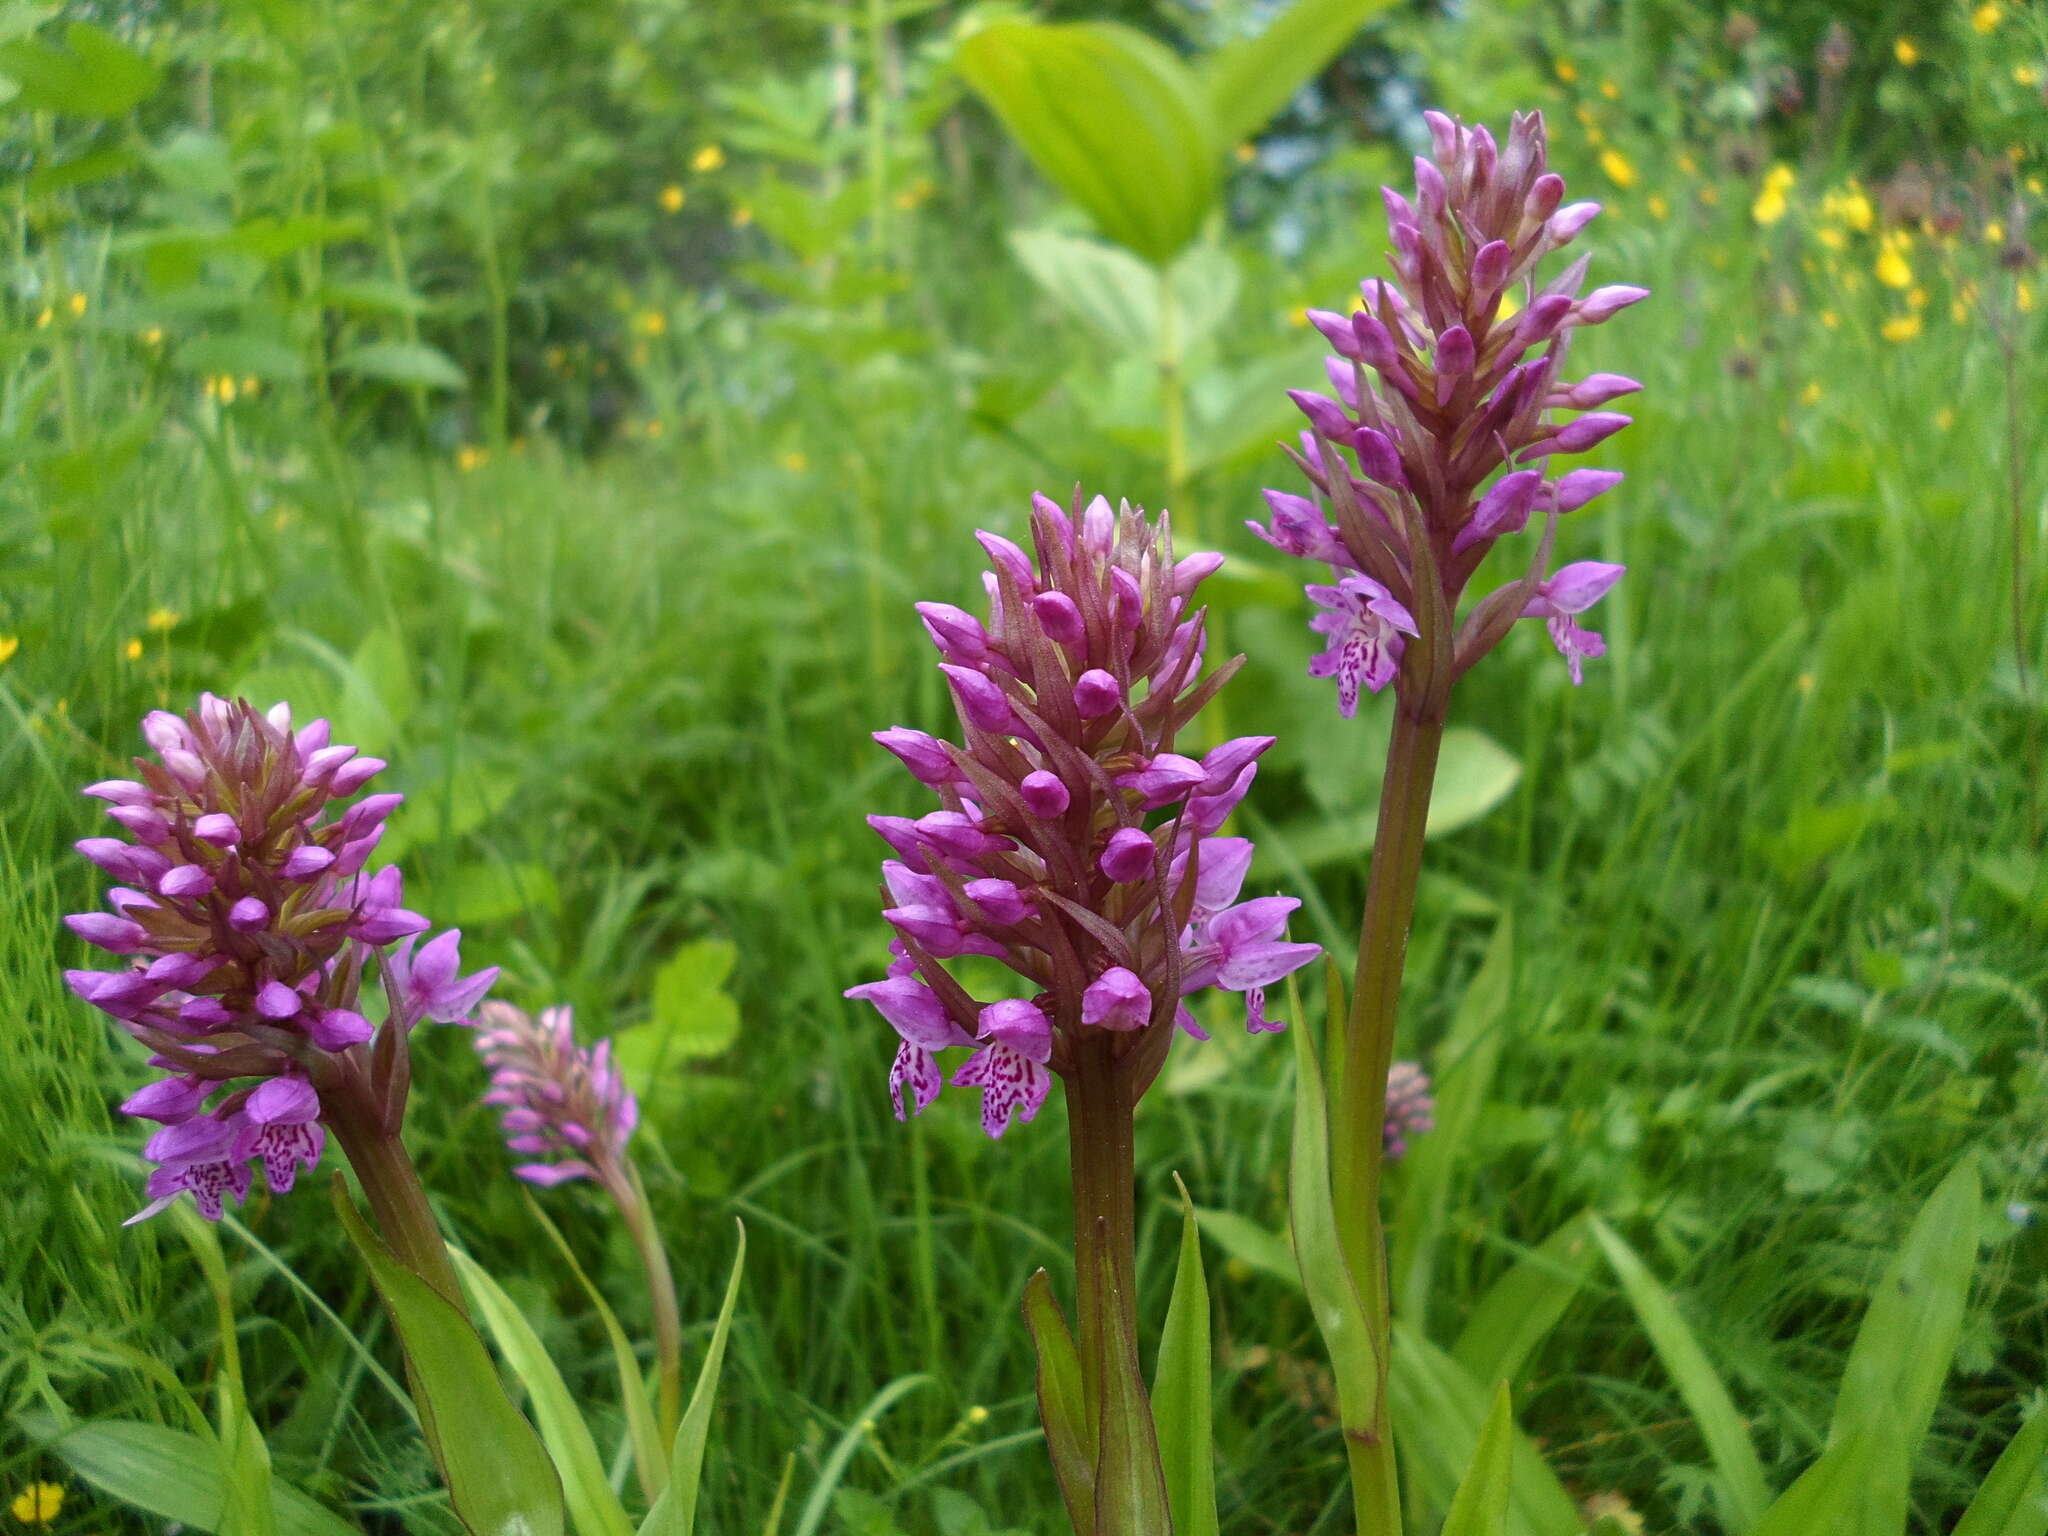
x=1958 y=311
x=251 y=385
x=1831 y=237
x=709 y=158
x=1851 y=206
x=1659 y=209
x=1944 y=418
x=153 y=337
x=672 y=198
x=133 y=649
x=76 y=303
x=1687 y=164
x=1901 y=328
x=2023 y=296
x=223 y=388
x=795 y=462
x=1906 y=51
x=1994 y=233
x=1916 y=299
x=2034 y=185
x=2026 y=74
x=163 y=620
x=1770 y=204
x=1892 y=269
x=920 y=191
x=1298 y=316
x=1247 y=152
x=1618 y=170
x=9 y=644
x=1811 y=394
x=471 y=456
x=1987 y=16
x=1567 y=71
x=1610 y=90
x=48 y=314
x=742 y=216
x=654 y=428
x=651 y=322
x=1710 y=194
x=38 y=1503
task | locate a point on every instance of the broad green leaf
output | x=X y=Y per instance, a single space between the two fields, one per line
x=170 y=1473
x=1106 y=287
x=1250 y=80
x=1062 y=1406
x=1249 y=1243
x=1180 y=1389
x=1826 y=1497
x=1474 y=773
x=497 y=1471
x=650 y=1461
x=2014 y=1498
x=268 y=239
x=376 y=296
x=1439 y=1414
x=94 y=75
x=1520 y=1308
x=675 y=1512
x=83 y=170
x=1480 y=1507
x=1465 y=1064
x=240 y=355
x=693 y=1015
x=858 y=1429
x=594 y=1509
x=1739 y=1475
x=1130 y=1482
x=1908 y=1340
x=403 y=362
x=1111 y=118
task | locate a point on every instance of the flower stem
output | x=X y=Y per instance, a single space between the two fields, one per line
x=1130 y=1485
x=1359 y=1083
x=630 y=1194
x=397 y=1199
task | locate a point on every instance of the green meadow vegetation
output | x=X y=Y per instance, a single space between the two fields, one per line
x=571 y=402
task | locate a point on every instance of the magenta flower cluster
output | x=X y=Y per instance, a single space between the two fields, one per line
x=565 y=1105
x=1411 y=1110
x=248 y=923
x=1441 y=385
x=1073 y=841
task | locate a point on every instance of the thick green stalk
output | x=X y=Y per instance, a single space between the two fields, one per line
x=398 y=1200
x=631 y=1196
x=1358 y=1090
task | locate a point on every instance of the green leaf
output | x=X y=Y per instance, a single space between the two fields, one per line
x=82 y=170
x=372 y=296
x=1439 y=1414
x=1106 y=287
x=693 y=1015
x=1180 y=1389
x=1062 y=1407
x=1739 y=1475
x=1474 y=773
x=675 y=1512
x=403 y=362
x=1520 y=1308
x=1908 y=1340
x=1250 y=80
x=2014 y=1498
x=1826 y=1496
x=497 y=1471
x=171 y=1474
x=594 y=1509
x=857 y=1432
x=94 y=75
x=1111 y=118
x=1480 y=1507
x=241 y=354
x=1326 y=1279
x=247 y=1508
x=1249 y=1243
x=649 y=1461
x=1465 y=1063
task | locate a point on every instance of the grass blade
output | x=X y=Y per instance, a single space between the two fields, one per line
x=1826 y=1497
x=1180 y=1391
x=675 y=1512
x=820 y=1501
x=1740 y=1474
x=1480 y=1507
x=2014 y=1498
x=1520 y=1308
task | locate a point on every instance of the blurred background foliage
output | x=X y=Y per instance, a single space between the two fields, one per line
x=571 y=400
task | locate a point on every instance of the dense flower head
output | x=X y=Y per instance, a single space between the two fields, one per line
x=565 y=1105
x=1074 y=840
x=1411 y=1109
x=248 y=920
x=1451 y=407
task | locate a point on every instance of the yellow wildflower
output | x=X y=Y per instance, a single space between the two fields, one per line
x=1566 y=70
x=1917 y=299
x=1710 y=195
x=1769 y=206
x=742 y=216
x=1944 y=418
x=1658 y=207
x=2025 y=74
x=672 y=198
x=163 y=620
x=153 y=337
x=709 y=158
x=1958 y=311
x=977 y=1415
x=1688 y=165
x=470 y=456
x=1994 y=233
x=1901 y=328
x=77 y=303
x=1852 y=207
x=1831 y=237
x=1987 y=16
x=1906 y=51
x=9 y=644
x=48 y=314
x=1618 y=170
x=251 y=384
x=1811 y=394
x=1892 y=269
x=919 y=192
x=38 y=1503
x=1247 y=152
x=1610 y=90
x=133 y=649
x=651 y=322
x=795 y=462
x=2023 y=296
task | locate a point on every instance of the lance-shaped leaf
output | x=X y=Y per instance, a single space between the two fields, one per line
x=2014 y=1498
x=1480 y=1507
x=675 y=1512
x=1111 y=118
x=498 y=1474
x=1130 y=1483
x=1520 y=1308
x=1248 y=81
x=1062 y=1406
x=1180 y=1388
x=1826 y=1497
